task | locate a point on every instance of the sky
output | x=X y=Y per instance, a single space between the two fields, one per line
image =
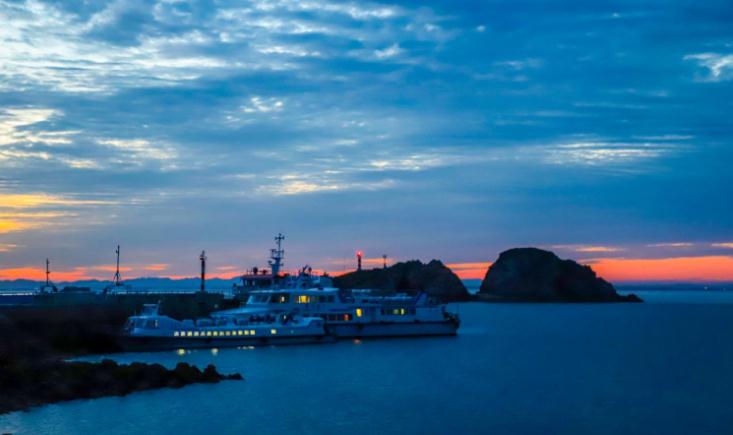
x=445 y=129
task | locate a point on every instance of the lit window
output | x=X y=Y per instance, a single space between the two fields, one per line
x=208 y=333
x=347 y=317
x=239 y=332
x=358 y=312
x=246 y=332
x=252 y=332
x=273 y=331
x=216 y=333
x=402 y=311
x=229 y=333
x=176 y=334
x=303 y=299
x=190 y=334
x=195 y=333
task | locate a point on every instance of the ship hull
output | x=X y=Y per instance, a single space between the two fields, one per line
x=393 y=329
x=151 y=343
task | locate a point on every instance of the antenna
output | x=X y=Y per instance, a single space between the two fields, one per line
x=358 y=260
x=117 y=280
x=49 y=285
x=384 y=261
x=202 y=257
x=48 y=273
x=277 y=256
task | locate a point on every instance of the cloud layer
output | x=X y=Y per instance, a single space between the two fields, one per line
x=449 y=130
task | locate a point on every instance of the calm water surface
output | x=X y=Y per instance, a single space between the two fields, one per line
x=662 y=367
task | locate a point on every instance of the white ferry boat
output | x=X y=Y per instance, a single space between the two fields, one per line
x=152 y=331
x=352 y=314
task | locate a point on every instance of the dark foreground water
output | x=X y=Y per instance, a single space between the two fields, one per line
x=662 y=367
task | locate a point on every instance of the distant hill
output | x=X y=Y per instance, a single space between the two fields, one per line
x=531 y=274
x=434 y=278
x=149 y=283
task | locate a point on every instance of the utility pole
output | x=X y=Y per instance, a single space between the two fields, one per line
x=48 y=273
x=202 y=257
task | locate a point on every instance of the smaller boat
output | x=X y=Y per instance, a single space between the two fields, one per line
x=151 y=330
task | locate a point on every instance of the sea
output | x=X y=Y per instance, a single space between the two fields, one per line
x=660 y=367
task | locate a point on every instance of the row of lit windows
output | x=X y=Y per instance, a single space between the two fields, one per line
x=306 y=299
x=240 y=332
x=335 y=317
x=398 y=311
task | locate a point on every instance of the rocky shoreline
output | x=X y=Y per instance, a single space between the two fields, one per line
x=35 y=345
x=25 y=384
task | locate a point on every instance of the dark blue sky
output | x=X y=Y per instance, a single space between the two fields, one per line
x=446 y=129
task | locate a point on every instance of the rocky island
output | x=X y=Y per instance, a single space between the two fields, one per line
x=531 y=274
x=434 y=278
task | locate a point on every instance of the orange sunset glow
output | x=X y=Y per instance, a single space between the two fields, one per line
x=470 y=270
x=705 y=268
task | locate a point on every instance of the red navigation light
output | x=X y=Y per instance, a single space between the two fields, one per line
x=358 y=253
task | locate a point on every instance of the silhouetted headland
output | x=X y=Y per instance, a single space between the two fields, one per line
x=434 y=278
x=531 y=274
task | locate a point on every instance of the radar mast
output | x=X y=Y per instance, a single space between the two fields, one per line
x=277 y=256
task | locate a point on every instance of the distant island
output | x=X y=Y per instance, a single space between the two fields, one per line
x=531 y=274
x=433 y=278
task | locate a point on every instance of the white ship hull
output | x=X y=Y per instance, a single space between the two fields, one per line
x=131 y=343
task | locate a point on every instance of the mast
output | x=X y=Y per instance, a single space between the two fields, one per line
x=358 y=260
x=202 y=257
x=384 y=261
x=277 y=256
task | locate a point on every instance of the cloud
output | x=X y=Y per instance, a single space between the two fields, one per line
x=598 y=153
x=589 y=248
x=40 y=200
x=263 y=105
x=136 y=44
x=7 y=247
x=298 y=184
x=671 y=245
x=139 y=152
x=726 y=245
x=718 y=67
x=391 y=51
x=17 y=126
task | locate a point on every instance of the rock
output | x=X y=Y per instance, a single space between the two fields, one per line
x=410 y=277
x=531 y=274
x=27 y=383
x=33 y=373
